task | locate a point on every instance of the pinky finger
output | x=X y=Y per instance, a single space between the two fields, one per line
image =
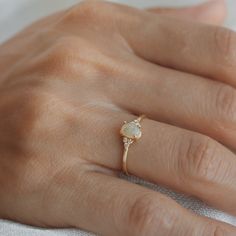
x=111 y=206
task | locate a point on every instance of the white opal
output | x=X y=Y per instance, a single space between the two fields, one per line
x=131 y=130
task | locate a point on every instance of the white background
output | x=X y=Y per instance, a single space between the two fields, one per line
x=14 y=15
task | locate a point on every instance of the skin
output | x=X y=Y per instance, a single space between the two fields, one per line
x=67 y=84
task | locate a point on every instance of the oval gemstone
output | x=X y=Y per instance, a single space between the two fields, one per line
x=131 y=130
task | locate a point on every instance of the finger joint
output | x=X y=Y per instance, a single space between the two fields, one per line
x=224 y=43
x=147 y=216
x=198 y=159
x=226 y=104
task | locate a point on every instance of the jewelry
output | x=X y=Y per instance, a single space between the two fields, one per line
x=130 y=131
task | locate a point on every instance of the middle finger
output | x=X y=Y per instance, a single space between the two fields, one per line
x=178 y=98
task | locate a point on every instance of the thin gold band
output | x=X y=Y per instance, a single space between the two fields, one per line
x=130 y=132
x=124 y=166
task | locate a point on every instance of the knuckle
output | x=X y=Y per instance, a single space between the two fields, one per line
x=143 y=213
x=49 y=114
x=35 y=104
x=74 y=56
x=89 y=11
x=94 y=6
x=224 y=45
x=44 y=100
x=66 y=58
x=147 y=216
x=20 y=116
x=198 y=158
x=226 y=104
x=61 y=57
x=51 y=108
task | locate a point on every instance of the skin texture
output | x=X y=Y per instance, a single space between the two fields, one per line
x=67 y=84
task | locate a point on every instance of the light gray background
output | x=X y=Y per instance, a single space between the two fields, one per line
x=14 y=15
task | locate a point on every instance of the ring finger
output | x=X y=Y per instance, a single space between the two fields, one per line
x=171 y=156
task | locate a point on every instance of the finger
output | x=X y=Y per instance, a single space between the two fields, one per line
x=192 y=47
x=177 y=98
x=110 y=206
x=210 y=12
x=184 y=160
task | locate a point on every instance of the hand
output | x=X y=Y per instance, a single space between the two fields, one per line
x=67 y=84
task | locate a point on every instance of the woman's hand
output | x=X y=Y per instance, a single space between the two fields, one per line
x=67 y=84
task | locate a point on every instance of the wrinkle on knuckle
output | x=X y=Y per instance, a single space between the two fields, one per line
x=199 y=160
x=219 y=231
x=215 y=230
x=226 y=104
x=148 y=217
x=224 y=46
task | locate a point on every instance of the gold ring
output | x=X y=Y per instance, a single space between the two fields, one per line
x=130 y=131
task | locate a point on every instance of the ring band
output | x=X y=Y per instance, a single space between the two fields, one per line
x=130 y=131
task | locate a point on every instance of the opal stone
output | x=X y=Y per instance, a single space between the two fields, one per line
x=131 y=130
